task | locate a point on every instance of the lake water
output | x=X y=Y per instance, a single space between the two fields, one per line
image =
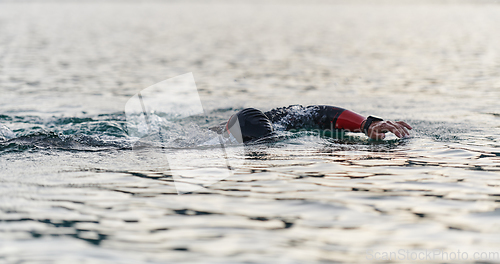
x=73 y=189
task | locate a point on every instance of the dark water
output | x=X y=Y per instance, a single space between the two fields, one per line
x=74 y=187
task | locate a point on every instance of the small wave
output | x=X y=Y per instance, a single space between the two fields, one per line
x=51 y=140
x=90 y=133
x=101 y=132
x=6 y=133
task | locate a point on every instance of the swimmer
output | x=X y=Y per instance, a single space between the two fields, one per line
x=255 y=124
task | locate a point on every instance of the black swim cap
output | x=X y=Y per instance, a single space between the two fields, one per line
x=253 y=124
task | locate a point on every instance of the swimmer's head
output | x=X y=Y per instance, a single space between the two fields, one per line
x=253 y=124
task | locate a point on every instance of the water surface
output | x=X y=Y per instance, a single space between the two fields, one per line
x=74 y=190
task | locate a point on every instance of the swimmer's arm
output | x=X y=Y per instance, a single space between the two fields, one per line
x=354 y=122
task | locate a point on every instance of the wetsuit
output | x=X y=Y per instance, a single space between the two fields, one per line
x=254 y=124
x=315 y=117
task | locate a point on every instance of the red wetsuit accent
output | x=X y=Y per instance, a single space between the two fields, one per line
x=349 y=121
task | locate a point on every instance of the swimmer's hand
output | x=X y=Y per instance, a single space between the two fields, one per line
x=378 y=129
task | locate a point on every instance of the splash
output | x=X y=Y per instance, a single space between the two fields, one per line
x=6 y=133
